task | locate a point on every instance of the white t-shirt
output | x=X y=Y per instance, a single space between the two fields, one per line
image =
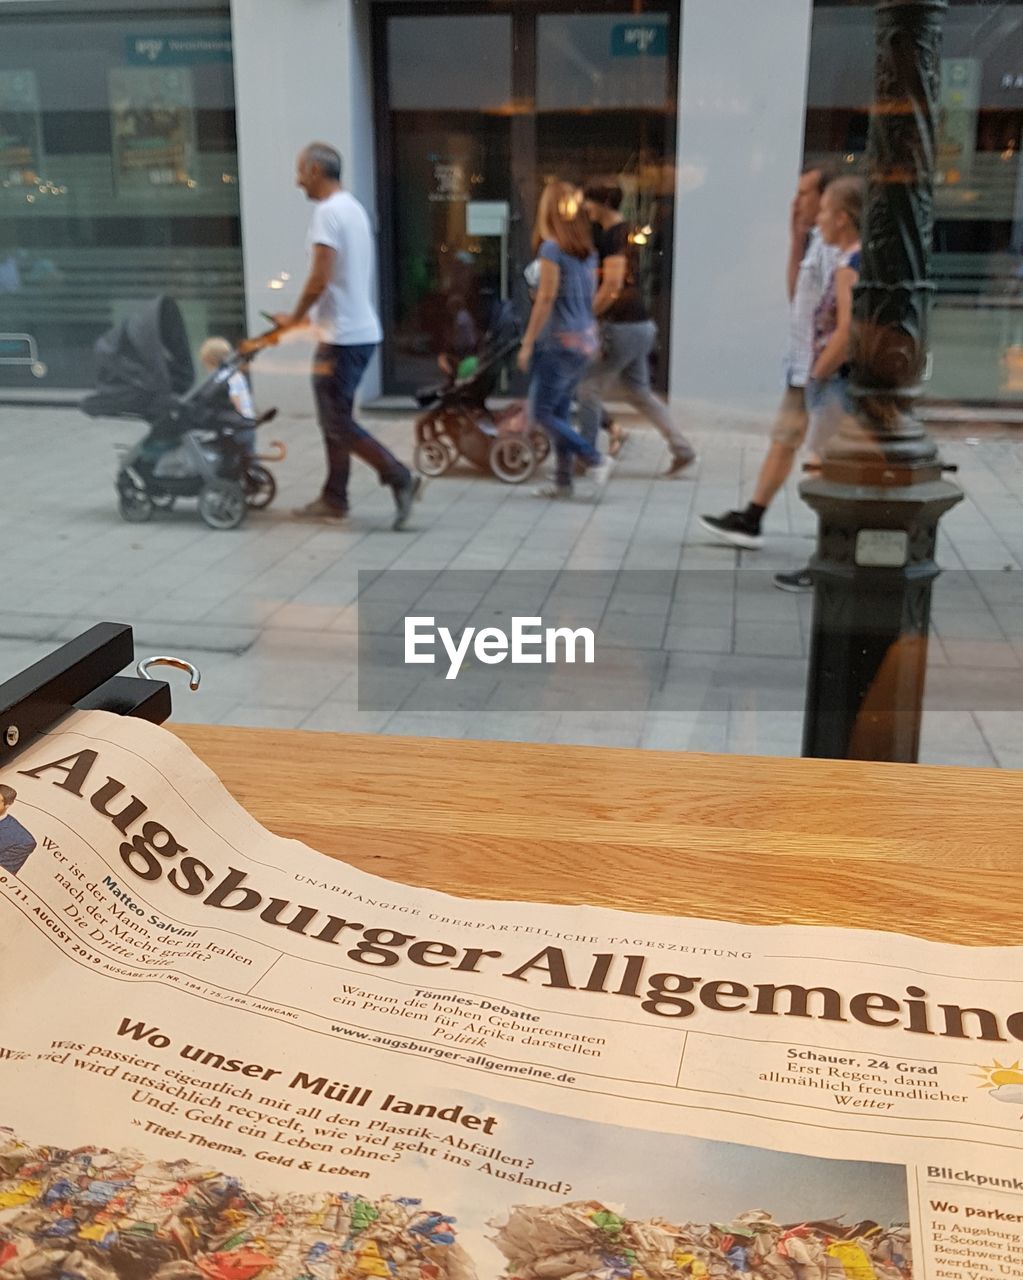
x=345 y=315
x=815 y=271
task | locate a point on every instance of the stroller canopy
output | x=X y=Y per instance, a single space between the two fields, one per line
x=142 y=364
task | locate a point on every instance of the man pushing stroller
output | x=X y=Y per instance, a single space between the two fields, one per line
x=337 y=295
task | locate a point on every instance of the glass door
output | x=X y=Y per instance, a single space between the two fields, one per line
x=445 y=188
x=476 y=110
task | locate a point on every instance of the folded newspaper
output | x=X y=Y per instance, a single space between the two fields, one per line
x=224 y=1056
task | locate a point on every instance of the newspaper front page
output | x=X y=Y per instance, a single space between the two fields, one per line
x=224 y=1056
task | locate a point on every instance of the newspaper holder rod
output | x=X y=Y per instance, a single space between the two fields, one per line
x=80 y=675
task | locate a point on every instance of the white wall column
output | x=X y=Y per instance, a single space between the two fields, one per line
x=302 y=73
x=742 y=103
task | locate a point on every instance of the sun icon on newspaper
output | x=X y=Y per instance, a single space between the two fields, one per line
x=1004 y=1081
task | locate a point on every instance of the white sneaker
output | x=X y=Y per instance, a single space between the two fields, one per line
x=600 y=474
x=553 y=491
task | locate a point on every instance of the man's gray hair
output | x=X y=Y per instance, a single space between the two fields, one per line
x=326 y=158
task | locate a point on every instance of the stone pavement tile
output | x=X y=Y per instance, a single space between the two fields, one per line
x=243 y=609
x=949 y=736
x=513 y=726
x=1002 y=731
x=936 y=655
x=981 y=655
x=999 y=590
x=628 y=601
x=399 y=585
x=16 y=655
x=768 y=638
x=304 y=617
x=577 y=611
x=430 y=724
x=252 y=715
x=968 y=625
x=581 y=728
x=958 y=688
x=32 y=626
x=632 y=630
x=53 y=598
x=342 y=717
x=685 y=731
x=332 y=587
x=202 y=706
x=595 y=584
x=449 y=601
x=699 y=639
x=347 y=620
x=754 y=606
x=472 y=691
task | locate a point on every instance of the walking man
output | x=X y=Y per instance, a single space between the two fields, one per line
x=337 y=295
x=811 y=265
x=628 y=331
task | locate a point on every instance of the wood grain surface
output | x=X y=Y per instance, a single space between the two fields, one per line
x=915 y=849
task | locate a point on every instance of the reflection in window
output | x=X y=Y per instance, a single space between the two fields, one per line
x=601 y=60
x=116 y=183
x=977 y=324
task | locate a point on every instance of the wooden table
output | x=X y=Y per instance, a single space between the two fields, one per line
x=932 y=851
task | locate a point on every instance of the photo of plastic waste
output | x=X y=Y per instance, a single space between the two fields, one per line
x=588 y=1240
x=91 y=1214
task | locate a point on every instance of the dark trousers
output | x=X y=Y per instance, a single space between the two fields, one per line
x=337 y=372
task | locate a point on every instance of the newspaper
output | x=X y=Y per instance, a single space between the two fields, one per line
x=225 y=1056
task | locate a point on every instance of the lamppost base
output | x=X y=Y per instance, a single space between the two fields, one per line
x=873 y=573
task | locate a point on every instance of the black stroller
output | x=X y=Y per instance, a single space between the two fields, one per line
x=460 y=424
x=195 y=444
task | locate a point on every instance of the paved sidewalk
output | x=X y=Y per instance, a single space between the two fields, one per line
x=269 y=611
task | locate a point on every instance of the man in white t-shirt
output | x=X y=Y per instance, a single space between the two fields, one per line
x=337 y=297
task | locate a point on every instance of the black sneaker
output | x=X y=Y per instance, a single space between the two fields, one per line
x=735 y=528
x=404 y=496
x=801 y=581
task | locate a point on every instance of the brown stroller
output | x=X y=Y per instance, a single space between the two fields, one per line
x=458 y=423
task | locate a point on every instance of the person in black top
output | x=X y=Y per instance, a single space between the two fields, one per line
x=628 y=330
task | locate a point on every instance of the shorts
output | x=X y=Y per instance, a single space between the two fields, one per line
x=829 y=405
x=792 y=421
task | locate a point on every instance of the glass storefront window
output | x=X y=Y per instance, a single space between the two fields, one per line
x=117 y=182
x=477 y=110
x=977 y=322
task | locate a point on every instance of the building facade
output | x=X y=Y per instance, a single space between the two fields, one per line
x=149 y=147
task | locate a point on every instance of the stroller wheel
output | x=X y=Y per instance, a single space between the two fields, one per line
x=222 y=505
x=541 y=443
x=512 y=459
x=259 y=485
x=432 y=457
x=134 y=504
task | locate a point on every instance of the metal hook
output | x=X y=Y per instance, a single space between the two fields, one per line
x=194 y=674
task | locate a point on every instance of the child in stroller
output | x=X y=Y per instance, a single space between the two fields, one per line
x=198 y=444
x=459 y=423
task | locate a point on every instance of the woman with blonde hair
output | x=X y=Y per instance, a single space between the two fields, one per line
x=561 y=337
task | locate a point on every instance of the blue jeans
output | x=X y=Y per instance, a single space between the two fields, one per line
x=555 y=374
x=337 y=372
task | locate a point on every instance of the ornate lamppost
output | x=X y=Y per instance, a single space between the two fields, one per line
x=881 y=491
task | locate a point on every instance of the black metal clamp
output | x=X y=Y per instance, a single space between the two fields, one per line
x=82 y=675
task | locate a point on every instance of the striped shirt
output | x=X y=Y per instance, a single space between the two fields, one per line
x=815 y=272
